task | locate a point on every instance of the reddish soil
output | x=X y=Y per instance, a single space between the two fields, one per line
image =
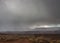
x=30 y=39
x=17 y=41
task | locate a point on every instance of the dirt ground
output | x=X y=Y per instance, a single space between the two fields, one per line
x=29 y=38
x=17 y=41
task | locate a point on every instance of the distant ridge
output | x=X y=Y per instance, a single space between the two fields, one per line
x=31 y=32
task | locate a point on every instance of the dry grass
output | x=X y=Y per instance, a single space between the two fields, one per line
x=25 y=39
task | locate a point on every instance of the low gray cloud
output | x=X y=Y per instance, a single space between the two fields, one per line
x=20 y=14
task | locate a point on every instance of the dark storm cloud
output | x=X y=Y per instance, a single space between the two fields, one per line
x=54 y=7
x=20 y=14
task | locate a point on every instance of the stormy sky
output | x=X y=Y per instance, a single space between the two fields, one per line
x=19 y=15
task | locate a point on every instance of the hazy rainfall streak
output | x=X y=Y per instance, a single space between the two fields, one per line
x=18 y=15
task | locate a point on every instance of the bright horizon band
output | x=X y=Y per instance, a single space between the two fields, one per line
x=45 y=26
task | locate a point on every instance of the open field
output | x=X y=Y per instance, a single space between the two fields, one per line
x=37 y=38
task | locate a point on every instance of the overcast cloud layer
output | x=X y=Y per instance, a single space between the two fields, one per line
x=19 y=15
